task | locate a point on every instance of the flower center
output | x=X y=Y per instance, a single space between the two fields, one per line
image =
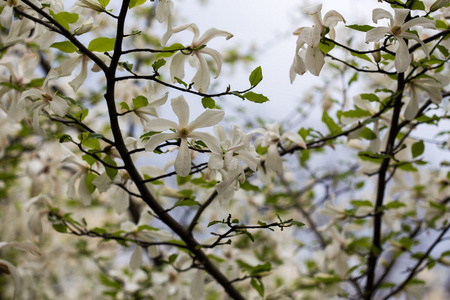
x=396 y=30
x=184 y=132
x=47 y=97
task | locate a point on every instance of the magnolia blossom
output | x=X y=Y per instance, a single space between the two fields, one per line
x=398 y=28
x=235 y=148
x=46 y=97
x=432 y=86
x=201 y=79
x=183 y=131
x=313 y=59
x=271 y=138
x=153 y=103
x=164 y=12
x=91 y=4
x=8 y=268
x=144 y=235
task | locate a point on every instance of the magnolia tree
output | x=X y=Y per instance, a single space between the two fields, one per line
x=101 y=198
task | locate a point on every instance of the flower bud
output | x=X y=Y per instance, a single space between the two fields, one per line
x=376 y=55
x=438 y=4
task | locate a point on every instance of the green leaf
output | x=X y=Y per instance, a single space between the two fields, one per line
x=134 y=3
x=370 y=97
x=111 y=172
x=60 y=227
x=367 y=134
x=171 y=50
x=256 y=76
x=258 y=286
x=158 y=64
x=88 y=141
x=416 y=5
x=65 y=138
x=89 y=178
x=89 y=159
x=208 y=102
x=140 y=101
x=332 y=126
x=66 y=46
x=247 y=186
x=103 y=3
x=326 y=46
x=360 y=55
x=124 y=106
x=81 y=114
x=187 y=202
x=64 y=18
x=250 y=236
x=363 y=28
x=257 y=98
x=296 y=223
x=127 y=66
x=102 y=44
x=359 y=203
x=213 y=223
x=417 y=149
x=263 y=268
x=357 y=113
x=394 y=205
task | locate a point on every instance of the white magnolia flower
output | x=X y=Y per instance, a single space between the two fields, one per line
x=183 y=131
x=164 y=12
x=398 y=29
x=236 y=148
x=201 y=79
x=271 y=138
x=144 y=235
x=153 y=103
x=432 y=86
x=45 y=97
x=91 y=4
x=80 y=175
x=313 y=59
x=7 y=12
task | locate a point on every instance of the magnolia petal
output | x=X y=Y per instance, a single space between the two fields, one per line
x=160 y=125
x=411 y=108
x=160 y=101
x=26 y=246
x=157 y=139
x=217 y=57
x=79 y=80
x=212 y=33
x=71 y=185
x=421 y=21
x=226 y=189
x=177 y=66
x=83 y=191
x=400 y=16
x=191 y=27
x=102 y=182
x=298 y=67
x=164 y=10
x=273 y=159
x=376 y=34
x=211 y=141
x=121 y=200
x=6 y=16
x=59 y=106
x=181 y=108
x=312 y=9
x=9 y=268
x=136 y=258
x=198 y=285
x=294 y=137
x=183 y=161
x=34 y=224
x=379 y=13
x=402 y=56
x=332 y=17
x=410 y=35
x=201 y=79
x=68 y=65
x=208 y=118
x=215 y=162
x=315 y=59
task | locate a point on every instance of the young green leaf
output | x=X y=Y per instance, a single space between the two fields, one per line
x=363 y=28
x=139 y=101
x=102 y=44
x=66 y=46
x=258 y=286
x=208 y=102
x=417 y=149
x=134 y=3
x=158 y=64
x=257 y=98
x=332 y=126
x=256 y=76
